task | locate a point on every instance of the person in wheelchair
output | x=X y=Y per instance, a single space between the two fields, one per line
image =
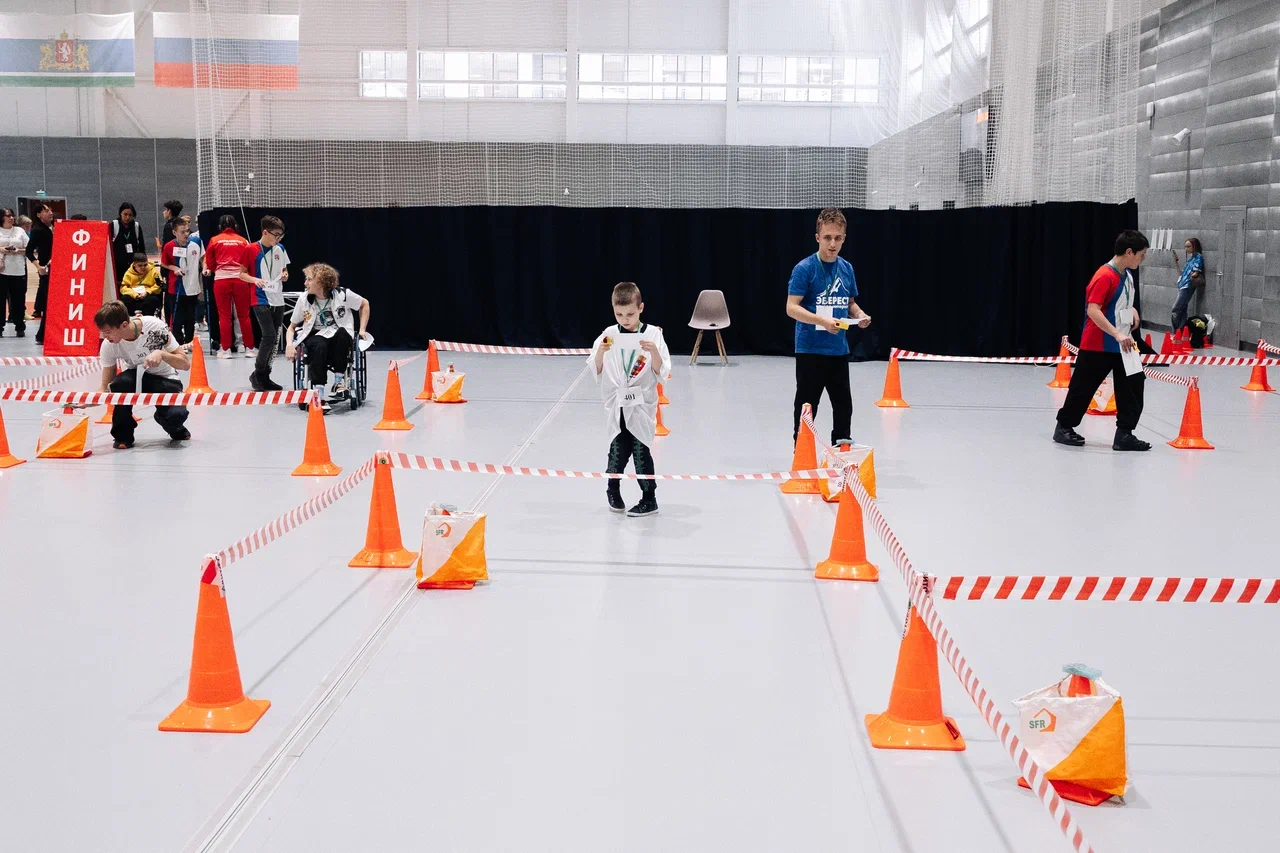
x=140 y=290
x=326 y=315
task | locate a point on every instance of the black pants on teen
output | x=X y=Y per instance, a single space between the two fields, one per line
x=171 y=418
x=13 y=291
x=816 y=373
x=626 y=446
x=269 y=320
x=325 y=354
x=148 y=305
x=1091 y=368
x=42 y=298
x=184 y=320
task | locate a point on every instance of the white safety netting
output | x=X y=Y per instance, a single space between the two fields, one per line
x=803 y=103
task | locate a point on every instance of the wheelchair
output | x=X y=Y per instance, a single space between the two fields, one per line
x=357 y=376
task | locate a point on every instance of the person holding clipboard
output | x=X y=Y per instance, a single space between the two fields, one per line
x=628 y=360
x=1107 y=346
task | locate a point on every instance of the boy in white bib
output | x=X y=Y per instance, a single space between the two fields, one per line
x=628 y=360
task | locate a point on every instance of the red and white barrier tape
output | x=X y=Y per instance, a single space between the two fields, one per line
x=1172 y=378
x=95 y=398
x=427 y=463
x=452 y=346
x=1099 y=588
x=294 y=518
x=1071 y=348
x=917 y=588
x=46 y=361
x=1201 y=360
x=401 y=362
x=907 y=355
x=1266 y=347
x=54 y=378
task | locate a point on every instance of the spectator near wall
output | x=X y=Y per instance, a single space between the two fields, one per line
x=126 y=239
x=171 y=211
x=40 y=252
x=223 y=258
x=13 y=273
x=180 y=257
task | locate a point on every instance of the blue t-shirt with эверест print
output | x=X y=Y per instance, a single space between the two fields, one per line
x=825 y=289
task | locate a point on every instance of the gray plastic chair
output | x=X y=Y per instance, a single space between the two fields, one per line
x=710 y=313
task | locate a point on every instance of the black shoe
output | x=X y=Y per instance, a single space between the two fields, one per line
x=39 y=340
x=1068 y=436
x=647 y=506
x=184 y=435
x=123 y=445
x=615 y=501
x=1126 y=440
x=261 y=383
x=22 y=333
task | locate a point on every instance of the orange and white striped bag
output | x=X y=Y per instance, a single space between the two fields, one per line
x=859 y=454
x=1075 y=728
x=64 y=434
x=446 y=386
x=452 y=555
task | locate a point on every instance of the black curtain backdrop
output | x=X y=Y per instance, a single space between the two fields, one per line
x=986 y=281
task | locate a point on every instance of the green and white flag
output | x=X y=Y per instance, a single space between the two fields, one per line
x=66 y=50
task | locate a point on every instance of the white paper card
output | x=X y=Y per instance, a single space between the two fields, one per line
x=1132 y=361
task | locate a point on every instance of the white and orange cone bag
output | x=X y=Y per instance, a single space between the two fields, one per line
x=64 y=434
x=1075 y=729
x=452 y=555
x=1104 y=399
x=446 y=386
x=860 y=455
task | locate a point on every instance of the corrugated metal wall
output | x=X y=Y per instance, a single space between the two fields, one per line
x=96 y=175
x=1211 y=66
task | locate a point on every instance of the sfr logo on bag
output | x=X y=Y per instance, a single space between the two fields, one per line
x=444 y=529
x=1044 y=721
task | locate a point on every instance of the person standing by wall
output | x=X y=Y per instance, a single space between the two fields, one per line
x=822 y=290
x=1187 y=281
x=13 y=273
x=40 y=253
x=171 y=211
x=1108 y=332
x=126 y=239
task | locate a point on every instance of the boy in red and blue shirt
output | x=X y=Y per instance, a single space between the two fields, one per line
x=1108 y=331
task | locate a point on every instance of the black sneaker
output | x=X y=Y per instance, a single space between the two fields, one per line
x=1126 y=440
x=615 y=501
x=262 y=383
x=22 y=333
x=1067 y=436
x=269 y=385
x=123 y=445
x=647 y=506
x=184 y=435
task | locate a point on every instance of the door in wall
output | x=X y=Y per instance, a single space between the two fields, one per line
x=1224 y=288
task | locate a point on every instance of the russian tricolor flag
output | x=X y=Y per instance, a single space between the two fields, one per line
x=243 y=51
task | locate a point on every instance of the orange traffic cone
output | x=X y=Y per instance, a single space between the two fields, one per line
x=199 y=383
x=1149 y=345
x=7 y=459
x=1191 y=435
x=805 y=458
x=316 y=461
x=393 y=403
x=661 y=429
x=1258 y=377
x=1062 y=376
x=892 y=398
x=433 y=366
x=1182 y=342
x=383 y=548
x=848 y=559
x=215 y=696
x=1166 y=348
x=662 y=396
x=914 y=719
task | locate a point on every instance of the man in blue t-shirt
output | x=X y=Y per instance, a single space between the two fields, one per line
x=820 y=294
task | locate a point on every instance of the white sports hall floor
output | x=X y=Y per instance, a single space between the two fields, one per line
x=675 y=683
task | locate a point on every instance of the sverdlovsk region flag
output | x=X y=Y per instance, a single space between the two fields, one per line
x=66 y=50
x=231 y=51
